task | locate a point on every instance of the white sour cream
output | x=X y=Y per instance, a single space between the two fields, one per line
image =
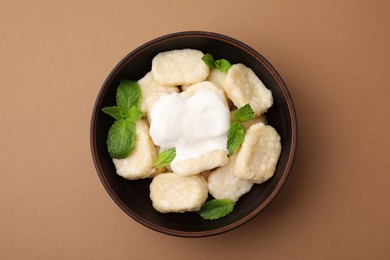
x=194 y=126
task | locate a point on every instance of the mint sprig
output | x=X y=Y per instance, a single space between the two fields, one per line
x=133 y=114
x=236 y=134
x=128 y=94
x=121 y=136
x=209 y=60
x=222 y=65
x=216 y=208
x=115 y=111
x=165 y=158
x=243 y=114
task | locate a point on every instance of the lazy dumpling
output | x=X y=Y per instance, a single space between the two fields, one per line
x=201 y=163
x=259 y=154
x=223 y=184
x=179 y=67
x=139 y=163
x=172 y=193
x=151 y=91
x=243 y=87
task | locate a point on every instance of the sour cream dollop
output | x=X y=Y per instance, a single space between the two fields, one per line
x=194 y=126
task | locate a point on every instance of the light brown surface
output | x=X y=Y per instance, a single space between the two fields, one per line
x=333 y=55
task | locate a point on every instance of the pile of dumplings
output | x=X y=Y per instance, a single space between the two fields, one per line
x=185 y=185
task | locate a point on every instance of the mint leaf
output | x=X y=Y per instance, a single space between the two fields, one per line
x=235 y=137
x=223 y=65
x=165 y=158
x=121 y=136
x=209 y=60
x=115 y=111
x=121 y=139
x=128 y=94
x=216 y=208
x=243 y=114
x=134 y=114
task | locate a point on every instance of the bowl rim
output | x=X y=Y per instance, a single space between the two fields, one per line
x=258 y=57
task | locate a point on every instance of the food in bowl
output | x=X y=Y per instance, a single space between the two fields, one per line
x=196 y=108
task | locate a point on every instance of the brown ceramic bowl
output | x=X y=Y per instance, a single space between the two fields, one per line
x=133 y=196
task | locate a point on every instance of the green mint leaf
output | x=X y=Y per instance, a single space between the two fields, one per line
x=134 y=114
x=121 y=139
x=235 y=137
x=121 y=136
x=209 y=60
x=115 y=111
x=165 y=158
x=243 y=114
x=216 y=208
x=128 y=94
x=222 y=65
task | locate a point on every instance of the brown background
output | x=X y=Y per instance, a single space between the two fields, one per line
x=333 y=55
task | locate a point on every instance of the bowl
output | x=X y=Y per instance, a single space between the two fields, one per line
x=133 y=196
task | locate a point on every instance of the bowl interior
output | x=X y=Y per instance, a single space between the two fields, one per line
x=133 y=196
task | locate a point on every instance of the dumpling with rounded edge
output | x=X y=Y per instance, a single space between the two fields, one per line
x=259 y=154
x=222 y=184
x=139 y=163
x=199 y=164
x=179 y=67
x=172 y=193
x=151 y=91
x=204 y=85
x=242 y=86
x=217 y=77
